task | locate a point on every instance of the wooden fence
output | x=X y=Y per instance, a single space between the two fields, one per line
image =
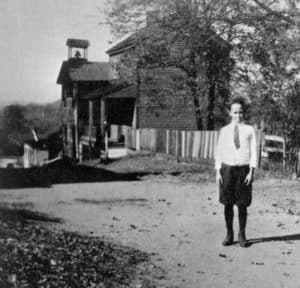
x=183 y=144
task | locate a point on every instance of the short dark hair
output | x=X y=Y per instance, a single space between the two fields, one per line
x=239 y=100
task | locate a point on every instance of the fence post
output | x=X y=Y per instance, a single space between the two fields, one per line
x=154 y=141
x=284 y=154
x=298 y=163
x=183 y=146
x=137 y=139
x=167 y=141
x=176 y=145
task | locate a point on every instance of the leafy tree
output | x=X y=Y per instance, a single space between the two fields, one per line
x=263 y=38
x=200 y=27
x=14 y=124
x=19 y=120
x=44 y=119
x=178 y=38
x=274 y=60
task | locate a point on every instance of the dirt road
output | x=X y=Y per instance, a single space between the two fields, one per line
x=182 y=224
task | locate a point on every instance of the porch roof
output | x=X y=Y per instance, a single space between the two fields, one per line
x=126 y=92
x=115 y=90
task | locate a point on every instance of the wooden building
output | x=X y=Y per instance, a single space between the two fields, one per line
x=152 y=105
x=160 y=98
x=95 y=101
x=35 y=153
x=83 y=110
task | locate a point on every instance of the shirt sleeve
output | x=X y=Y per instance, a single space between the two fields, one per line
x=253 y=150
x=218 y=155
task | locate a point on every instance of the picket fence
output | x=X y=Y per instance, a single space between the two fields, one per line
x=183 y=144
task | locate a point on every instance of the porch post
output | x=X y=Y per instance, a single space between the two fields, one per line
x=64 y=115
x=103 y=127
x=75 y=115
x=102 y=117
x=91 y=116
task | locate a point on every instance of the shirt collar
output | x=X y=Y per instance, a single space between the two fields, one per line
x=238 y=124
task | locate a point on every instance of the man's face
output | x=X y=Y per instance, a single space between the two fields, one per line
x=236 y=113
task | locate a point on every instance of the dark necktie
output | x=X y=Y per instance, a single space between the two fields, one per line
x=236 y=137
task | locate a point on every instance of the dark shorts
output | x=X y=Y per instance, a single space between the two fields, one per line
x=233 y=190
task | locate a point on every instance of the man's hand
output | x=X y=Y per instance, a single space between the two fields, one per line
x=219 y=178
x=249 y=177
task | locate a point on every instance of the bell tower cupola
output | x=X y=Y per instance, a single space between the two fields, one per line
x=77 y=48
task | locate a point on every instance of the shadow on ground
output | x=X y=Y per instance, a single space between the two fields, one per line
x=128 y=201
x=14 y=214
x=292 y=237
x=60 y=172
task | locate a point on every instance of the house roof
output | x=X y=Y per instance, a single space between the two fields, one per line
x=39 y=145
x=130 y=42
x=122 y=45
x=82 y=70
x=50 y=142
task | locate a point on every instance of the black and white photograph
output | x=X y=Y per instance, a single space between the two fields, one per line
x=149 y=143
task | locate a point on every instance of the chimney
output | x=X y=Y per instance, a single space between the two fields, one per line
x=79 y=44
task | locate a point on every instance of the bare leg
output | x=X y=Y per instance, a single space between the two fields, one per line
x=228 y=213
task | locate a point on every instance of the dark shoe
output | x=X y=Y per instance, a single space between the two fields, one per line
x=242 y=239
x=228 y=240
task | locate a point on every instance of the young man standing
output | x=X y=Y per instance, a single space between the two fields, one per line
x=236 y=158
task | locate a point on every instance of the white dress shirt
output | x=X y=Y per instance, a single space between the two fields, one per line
x=228 y=154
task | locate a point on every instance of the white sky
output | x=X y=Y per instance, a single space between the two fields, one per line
x=33 y=36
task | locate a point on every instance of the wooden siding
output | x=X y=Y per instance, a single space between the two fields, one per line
x=163 y=101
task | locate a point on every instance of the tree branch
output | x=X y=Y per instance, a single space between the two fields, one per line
x=275 y=13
